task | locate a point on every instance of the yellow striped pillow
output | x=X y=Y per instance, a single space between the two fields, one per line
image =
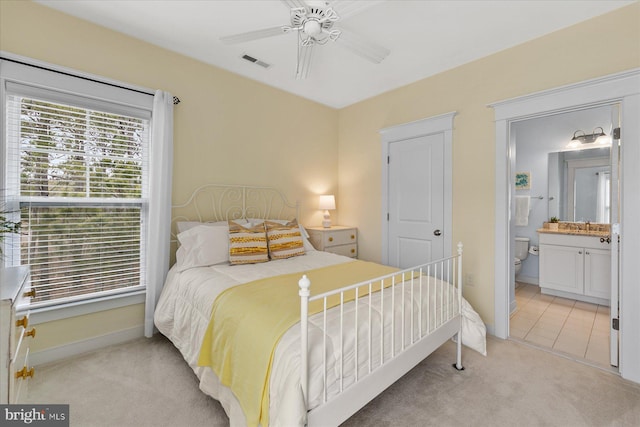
x=247 y=245
x=285 y=240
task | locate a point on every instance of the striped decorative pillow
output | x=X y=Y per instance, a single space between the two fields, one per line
x=247 y=245
x=285 y=240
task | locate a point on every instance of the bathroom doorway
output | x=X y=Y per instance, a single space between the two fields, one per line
x=620 y=88
x=544 y=152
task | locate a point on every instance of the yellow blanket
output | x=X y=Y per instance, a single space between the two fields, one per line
x=248 y=320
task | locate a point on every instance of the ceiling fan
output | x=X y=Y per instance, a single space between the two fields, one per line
x=314 y=21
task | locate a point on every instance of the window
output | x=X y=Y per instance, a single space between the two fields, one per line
x=77 y=169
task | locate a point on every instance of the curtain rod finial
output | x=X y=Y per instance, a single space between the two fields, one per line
x=176 y=100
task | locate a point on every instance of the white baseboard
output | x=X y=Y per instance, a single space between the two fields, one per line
x=528 y=279
x=79 y=347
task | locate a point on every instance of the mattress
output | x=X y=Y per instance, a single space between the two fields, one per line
x=183 y=313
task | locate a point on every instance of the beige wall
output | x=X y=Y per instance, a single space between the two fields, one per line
x=233 y=130
x=604 y=45
x=228 y=129
x=57 y=333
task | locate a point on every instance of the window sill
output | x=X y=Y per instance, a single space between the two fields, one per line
x=79 y=308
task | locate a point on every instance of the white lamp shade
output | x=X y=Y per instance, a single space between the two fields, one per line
x=327 y=202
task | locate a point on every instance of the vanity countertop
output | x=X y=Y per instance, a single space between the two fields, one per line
x=574 y=232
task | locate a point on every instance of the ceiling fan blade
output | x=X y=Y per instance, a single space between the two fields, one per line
x=253 y=35
x=305 y=53
x=348 y=8
x=294 y=4
x=362 y=47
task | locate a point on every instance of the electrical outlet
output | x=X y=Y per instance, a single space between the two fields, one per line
x=470 y=279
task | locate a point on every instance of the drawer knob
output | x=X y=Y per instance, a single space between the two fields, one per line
x=31 y=293
x=353 y=236
x=24 y=322
x=353 y=251
x=24 y=372
x=331 y=239
x=31 y=333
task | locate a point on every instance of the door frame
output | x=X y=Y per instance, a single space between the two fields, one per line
x=437 y=124
x=622 y=88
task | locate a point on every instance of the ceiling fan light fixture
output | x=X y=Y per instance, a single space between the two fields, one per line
x=312 y=28
x=314 y=21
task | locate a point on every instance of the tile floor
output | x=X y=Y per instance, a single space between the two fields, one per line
x=575 y=328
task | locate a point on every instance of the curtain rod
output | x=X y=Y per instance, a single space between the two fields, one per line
x=176 y=100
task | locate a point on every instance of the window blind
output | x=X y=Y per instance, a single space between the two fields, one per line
x=81 y=176
x=75 y=252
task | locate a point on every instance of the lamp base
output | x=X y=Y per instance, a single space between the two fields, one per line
x=326 y=223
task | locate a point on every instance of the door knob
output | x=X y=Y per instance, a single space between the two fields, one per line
x=437 y=233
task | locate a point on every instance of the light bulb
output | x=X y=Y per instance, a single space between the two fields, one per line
x=312 y=28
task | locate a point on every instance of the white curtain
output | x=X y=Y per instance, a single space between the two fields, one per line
x=159 y=216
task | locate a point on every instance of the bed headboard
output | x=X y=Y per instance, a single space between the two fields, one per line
x=217 y=202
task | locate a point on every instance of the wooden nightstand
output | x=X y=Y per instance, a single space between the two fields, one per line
x=337 y=239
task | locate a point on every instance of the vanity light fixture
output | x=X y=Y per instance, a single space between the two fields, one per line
x=327 y=203
x=587 y=138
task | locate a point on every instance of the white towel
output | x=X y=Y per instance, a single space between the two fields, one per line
x=522 y=211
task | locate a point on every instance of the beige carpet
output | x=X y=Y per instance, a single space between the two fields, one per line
x=146 y=383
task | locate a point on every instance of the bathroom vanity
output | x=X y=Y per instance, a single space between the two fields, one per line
x=575 y=264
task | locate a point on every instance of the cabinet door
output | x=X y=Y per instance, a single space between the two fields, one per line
x=597 y=273
x=561 y=268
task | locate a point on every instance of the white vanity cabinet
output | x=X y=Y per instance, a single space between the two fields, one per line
x=575 y=266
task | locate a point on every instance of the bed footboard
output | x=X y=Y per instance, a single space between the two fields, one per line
x=393 y=323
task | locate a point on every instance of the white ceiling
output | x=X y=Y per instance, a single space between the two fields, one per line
x=425 y=37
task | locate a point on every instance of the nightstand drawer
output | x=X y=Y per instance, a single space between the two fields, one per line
x=339 y=237
x=346 y=250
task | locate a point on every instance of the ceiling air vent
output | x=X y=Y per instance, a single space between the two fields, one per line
x=255 y=61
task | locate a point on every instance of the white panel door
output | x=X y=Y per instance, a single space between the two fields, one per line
x=416 y=200
x=614 y=290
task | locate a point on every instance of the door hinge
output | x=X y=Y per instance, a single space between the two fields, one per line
x=387 y=216
x=388 y=159
x=616 y=133
x=615 y=324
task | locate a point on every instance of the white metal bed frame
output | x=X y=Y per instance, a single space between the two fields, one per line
x=447 y=325
x=214 y=202
x=220 y=202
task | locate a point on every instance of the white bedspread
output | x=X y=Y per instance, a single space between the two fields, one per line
x=184 y=310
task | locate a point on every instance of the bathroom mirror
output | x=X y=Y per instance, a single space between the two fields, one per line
x=580 y=184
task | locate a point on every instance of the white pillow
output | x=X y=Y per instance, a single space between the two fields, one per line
x=202 y=246
x=187 y=225
x=305 y=239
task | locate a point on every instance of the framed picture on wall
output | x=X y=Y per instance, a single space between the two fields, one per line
x=523 y=180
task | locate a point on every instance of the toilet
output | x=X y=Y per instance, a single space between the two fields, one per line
x=522 y=251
